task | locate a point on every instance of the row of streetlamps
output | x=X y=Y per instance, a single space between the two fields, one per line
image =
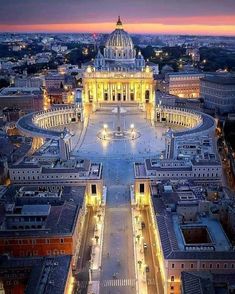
x=105 y=131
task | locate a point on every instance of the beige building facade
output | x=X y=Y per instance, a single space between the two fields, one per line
x=118 y=76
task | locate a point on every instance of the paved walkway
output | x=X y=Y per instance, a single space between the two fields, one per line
x=119 y=273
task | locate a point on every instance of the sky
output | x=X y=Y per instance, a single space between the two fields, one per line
x=202 y=17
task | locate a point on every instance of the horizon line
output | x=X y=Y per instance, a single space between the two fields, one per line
x=130 y=33
x=107 y=27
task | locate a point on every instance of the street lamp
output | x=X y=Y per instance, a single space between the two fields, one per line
x=104 y=132
x=132 y=126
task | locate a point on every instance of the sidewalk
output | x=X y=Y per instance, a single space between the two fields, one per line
x=96 y=251
x=140 y=266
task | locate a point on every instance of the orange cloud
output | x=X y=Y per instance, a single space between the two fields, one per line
x=190 y=26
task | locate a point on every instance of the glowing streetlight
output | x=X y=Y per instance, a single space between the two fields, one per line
x=105 y=126
x=132 y=126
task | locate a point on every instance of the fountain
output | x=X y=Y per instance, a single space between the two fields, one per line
x=119 y=133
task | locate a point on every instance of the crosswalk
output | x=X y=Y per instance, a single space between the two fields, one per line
x=117 y=283
x=111 y=283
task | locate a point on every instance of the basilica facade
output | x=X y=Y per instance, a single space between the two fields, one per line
x=119 y=75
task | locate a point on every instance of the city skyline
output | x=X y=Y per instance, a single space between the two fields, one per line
x=210 y=17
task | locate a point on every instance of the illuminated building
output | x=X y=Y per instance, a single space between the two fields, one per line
x=119 y=76
x=187 y=234
x=182 y=84
x=189 y=153
x=38 y=125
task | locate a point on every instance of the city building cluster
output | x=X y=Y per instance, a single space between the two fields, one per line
x=114 y=169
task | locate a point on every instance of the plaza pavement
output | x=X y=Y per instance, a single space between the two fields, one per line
x=118 y=274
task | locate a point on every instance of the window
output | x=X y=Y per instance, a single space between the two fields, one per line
x=182 y=265
x=173 y=265
x=142 y=188
x=210 y=265
x=172 y=278
x=61 y=240
x=217 y=265
x=203 y=265
x=93 y=189
x=191 y=265
x=172 y=287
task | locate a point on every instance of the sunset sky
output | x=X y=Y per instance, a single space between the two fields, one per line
x=204 y=17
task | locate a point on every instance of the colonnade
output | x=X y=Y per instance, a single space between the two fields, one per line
x=110 y=86
x=182 y=117
x=56 y=117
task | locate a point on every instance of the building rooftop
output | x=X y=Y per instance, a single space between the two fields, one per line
x=206 y=282
x=81 y=167
x=15 y=91
x=219 y=79
x=175 y=244
x=42 y=275
x=40 y=215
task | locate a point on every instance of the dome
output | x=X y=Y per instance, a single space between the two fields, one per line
x=119 y=37
x=119 y=46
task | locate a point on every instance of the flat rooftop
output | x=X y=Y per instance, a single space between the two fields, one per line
x=208 y=231
x=222 y=80
x=49 y=217
x=42 y=275
x=173 y=242
x=84 y=168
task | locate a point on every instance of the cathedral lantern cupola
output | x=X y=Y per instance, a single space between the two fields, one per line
x=119 y=24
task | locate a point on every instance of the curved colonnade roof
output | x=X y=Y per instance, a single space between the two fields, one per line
x=27 y=126
x=207 y=123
